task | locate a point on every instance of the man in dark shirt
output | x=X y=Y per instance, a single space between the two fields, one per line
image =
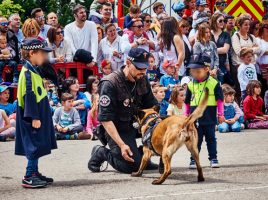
x=121 y=93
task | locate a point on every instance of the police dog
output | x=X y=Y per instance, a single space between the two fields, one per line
x=168 y=136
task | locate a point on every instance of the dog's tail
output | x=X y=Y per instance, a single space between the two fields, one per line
x=198 y=112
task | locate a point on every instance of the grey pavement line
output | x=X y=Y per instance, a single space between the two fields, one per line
x=193 y=193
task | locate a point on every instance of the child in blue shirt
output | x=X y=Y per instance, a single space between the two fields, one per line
x=9 y=108
x=159 y=94
x=168 y=80
x=152 y=73
x=134 y=13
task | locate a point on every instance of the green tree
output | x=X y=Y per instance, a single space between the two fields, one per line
x=7 y=7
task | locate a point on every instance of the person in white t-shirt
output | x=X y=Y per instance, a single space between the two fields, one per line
x=246 y=71
x=82 y=34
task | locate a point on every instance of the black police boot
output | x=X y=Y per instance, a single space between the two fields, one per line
x=98 y=156
x=161 y=166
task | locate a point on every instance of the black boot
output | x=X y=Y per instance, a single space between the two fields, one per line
x=98 y=156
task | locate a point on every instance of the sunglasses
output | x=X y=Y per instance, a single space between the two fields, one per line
x=60 y=32
x=221 y=21
x=184 y=26
x=265 y=26
x=148 y=21
x=41 y=18
x=4 y=23
x=139 y=27
x=221 y=4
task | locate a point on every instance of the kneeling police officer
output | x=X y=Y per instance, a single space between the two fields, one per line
x=121 y=93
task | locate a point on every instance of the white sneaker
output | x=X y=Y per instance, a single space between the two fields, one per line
x=214 y=163
x=192 y=164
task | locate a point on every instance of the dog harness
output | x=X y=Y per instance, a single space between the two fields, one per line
x=147 y=138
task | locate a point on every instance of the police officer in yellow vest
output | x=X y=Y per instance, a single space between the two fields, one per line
x=200 y=71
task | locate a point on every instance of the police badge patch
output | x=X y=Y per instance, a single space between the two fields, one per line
x=105 y=101
x=126 y=102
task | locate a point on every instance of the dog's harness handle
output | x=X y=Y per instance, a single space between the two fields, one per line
x=147 y=138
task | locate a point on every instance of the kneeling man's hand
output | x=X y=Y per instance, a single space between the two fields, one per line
x=127 y=153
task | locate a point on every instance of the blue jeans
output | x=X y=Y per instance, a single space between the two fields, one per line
x=32 y=167
x=209 y=132
x=224 y=127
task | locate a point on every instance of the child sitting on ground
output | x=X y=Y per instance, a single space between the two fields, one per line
x=152 y=73
x=159 y=94
x=130 y=18
x=92 y=118
x=168 y=80
x=66 y=120
x=234 y=117
x=253 y=104
x=6 y=131
x=106 y=67
x=6 y=58
x=176 y=103
x=246 y=71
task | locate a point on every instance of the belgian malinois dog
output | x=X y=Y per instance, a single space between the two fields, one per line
x=168 y=136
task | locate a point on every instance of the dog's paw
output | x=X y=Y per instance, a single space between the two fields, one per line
x=136 y=174
x=200 y=179
x=156 y=182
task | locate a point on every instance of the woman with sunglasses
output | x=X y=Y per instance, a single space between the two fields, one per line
x=152 y=35
x=62 y=51
x=223 y=42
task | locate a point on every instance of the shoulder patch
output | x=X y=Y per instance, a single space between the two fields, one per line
x=105 y=101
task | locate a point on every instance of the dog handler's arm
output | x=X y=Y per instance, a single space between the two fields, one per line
x=125 y=149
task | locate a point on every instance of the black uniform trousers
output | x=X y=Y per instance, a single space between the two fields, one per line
x=114 y=156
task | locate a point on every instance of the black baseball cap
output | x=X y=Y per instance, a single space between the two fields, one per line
x=139 y=57
x=199 y=61
x=34 y=44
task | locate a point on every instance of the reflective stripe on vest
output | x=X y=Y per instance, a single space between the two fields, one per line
x=198 y=93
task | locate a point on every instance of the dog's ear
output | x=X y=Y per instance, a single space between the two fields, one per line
x=141 y=114
x=156 y=108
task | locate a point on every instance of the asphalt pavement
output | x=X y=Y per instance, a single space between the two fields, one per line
x=243 y=174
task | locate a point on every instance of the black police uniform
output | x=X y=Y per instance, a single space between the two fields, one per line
x=119 y=98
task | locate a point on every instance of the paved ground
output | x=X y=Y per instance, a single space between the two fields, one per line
x=243 y=175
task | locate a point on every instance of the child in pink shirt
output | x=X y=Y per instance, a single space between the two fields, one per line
x=92 y=117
